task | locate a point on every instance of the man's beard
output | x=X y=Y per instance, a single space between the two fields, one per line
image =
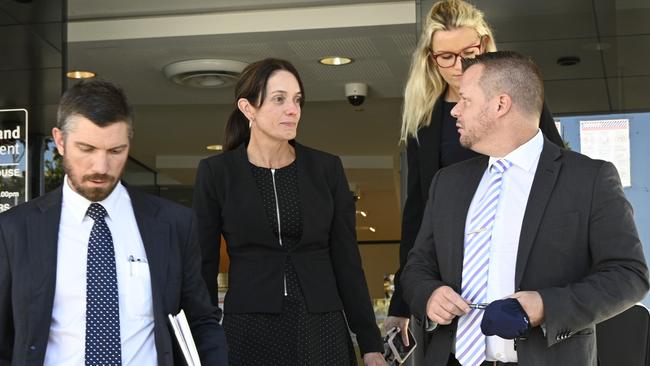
x=471 y=138
x=92 y=194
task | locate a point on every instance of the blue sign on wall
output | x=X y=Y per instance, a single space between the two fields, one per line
x=639 y=191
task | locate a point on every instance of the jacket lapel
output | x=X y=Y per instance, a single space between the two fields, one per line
x=543 y=184
x=155 y=234
x=466 y=186
x=247 y=187
x=310 y=197
x=42 y=249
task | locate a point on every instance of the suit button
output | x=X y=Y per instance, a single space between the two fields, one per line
x=32 y=347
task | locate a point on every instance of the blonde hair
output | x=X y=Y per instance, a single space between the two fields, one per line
x=425 y=84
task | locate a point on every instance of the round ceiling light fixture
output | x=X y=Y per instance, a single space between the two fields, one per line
x=204 y=73
x=335 y=60
x=80 y=74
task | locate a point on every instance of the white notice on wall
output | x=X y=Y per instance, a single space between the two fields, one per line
x=608 y=140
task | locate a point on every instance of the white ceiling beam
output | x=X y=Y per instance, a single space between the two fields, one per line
x=276 y=20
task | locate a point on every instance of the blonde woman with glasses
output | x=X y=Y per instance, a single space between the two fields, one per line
x=453 y=30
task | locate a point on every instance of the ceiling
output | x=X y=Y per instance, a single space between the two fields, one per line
x=130 y=41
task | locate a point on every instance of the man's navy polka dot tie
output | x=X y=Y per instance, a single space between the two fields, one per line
x=102 y=305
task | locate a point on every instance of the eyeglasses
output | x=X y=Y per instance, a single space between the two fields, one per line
x=448 y=59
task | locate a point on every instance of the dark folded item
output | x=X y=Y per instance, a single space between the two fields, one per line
x=506 y=319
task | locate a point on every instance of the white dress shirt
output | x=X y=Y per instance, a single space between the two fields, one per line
x=515 y=189
x=67 y=337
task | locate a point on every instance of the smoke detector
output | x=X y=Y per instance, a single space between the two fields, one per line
x=204 y=73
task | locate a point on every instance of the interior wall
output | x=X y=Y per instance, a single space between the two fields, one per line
x=378 y=260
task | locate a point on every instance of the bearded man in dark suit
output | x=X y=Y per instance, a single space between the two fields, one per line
x=90 y=271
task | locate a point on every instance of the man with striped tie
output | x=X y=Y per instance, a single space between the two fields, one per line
x=548 y=227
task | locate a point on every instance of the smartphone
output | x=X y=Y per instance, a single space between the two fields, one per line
x=399 y=351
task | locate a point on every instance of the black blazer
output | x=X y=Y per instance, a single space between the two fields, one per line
x=327 y=260
x=28 y=260
x=423 y=157
x=578 y=248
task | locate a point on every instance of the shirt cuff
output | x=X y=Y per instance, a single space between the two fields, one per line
x=429 y=325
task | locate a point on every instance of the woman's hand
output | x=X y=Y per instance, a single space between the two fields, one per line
x=374 y=359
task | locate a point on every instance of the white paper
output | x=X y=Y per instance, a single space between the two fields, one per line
x=558 y=125
x=183 y=335
x=608 y=140
x=187 y=334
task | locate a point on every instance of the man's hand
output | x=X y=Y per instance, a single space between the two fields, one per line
x=399 y=322
x=374 y=359
x=533 y=305
x=445 y=304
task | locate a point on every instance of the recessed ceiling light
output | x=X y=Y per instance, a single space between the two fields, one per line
x=80 y=74
x=214 y=147
x=372 y=229
x=335 y=60
x=362 y=213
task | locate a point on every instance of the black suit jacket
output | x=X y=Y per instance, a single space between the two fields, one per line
x=578 y=248
x=423 y=157
x=28 y=261
x=327 y=260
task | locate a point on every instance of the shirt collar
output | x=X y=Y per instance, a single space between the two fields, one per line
x=525 y=155
x=78 y=205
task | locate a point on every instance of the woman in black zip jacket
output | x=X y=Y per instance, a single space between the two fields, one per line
x=288 y=220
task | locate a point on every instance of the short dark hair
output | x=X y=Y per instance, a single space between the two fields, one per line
x=252 y=86
x=512 y=73
x=100 y=101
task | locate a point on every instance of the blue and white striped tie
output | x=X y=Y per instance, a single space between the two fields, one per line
x=470 y=341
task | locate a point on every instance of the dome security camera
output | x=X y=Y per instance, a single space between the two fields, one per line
x=356 y=93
